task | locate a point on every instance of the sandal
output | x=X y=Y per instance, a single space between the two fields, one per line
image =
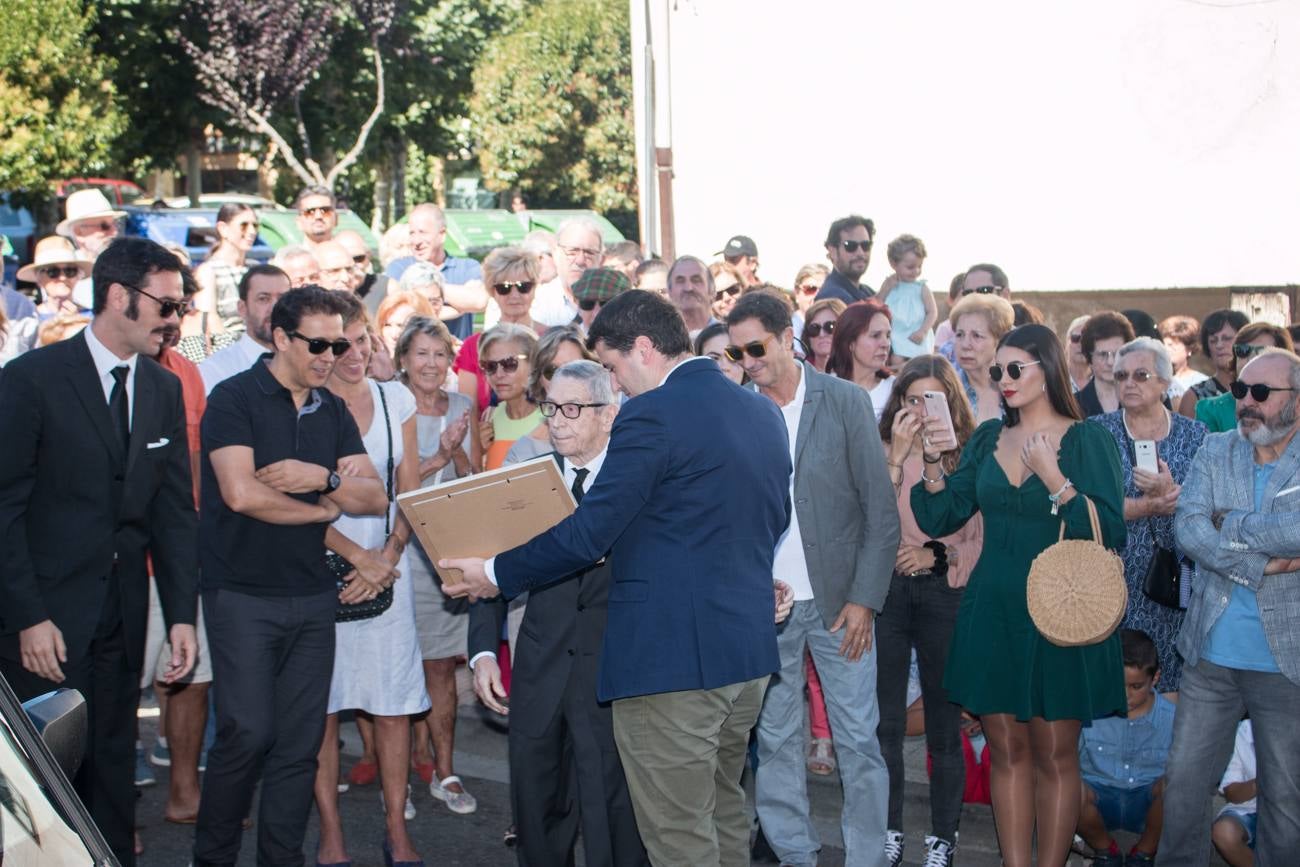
x=363 y=773
x=821 y=757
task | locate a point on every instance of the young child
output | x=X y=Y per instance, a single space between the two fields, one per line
x=909 y=300
x=1122 y=762
x=1234 y=828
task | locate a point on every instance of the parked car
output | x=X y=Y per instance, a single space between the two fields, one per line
x=19 y=226
x=195 y=229
x=119 y=192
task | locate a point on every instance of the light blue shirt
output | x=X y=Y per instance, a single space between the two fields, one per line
x=1128 y=753
x=1237 y=639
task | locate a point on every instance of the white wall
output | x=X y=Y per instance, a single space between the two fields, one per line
x=1106 y=144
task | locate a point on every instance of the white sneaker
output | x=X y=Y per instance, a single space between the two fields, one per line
x=938 y=853
x=894 y=847
x=458 y=802
x=408 y=812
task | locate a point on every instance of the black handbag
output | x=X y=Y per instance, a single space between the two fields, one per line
x=1163 y=580
x=338 y=566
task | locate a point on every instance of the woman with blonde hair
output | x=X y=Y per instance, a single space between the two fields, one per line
x=979 y=321
x=510 y=275
x=507 y=353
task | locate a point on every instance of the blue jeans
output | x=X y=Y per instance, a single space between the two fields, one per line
x=1211 y=702
x=780 y=785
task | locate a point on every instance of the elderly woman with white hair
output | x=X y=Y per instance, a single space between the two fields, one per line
x=1142 y=373
x=426 y=280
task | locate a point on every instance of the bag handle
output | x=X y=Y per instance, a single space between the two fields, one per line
x=1092 y=519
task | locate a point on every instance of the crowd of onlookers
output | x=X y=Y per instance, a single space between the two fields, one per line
x=448 y=367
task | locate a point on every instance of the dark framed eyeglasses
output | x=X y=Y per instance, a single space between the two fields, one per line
x=1258 y=390
x=754 y=349
x=855 y=246
x=989 y=290
x=54 y=272
x=523 y=287
x=586 y=305
x=569 y=410
x=1246 y=350
x=1014 y=369
x=1139 y=375
x=318 y=345
x=576 y=252
x=507 y=365
x=319 y=210
x=817 y=329
x=167 y=307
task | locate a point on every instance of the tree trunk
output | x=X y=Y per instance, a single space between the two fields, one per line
x=194 y=169
x=399 y=179
x=381 y=215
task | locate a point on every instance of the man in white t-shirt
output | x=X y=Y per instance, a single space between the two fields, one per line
x=578 y=246
x=259 y=289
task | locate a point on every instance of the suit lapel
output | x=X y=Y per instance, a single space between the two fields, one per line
x=1283 y=473
x=143 y=407
x=812 y=398
x=85 y=384
x=1243 y=473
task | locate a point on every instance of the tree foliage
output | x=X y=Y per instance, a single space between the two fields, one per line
x=552 y=107
x=57 y=113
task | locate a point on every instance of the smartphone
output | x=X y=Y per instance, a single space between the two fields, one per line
x=1145 y=453
x=936 y=406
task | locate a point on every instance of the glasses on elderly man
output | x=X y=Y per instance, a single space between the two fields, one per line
x=569 y=410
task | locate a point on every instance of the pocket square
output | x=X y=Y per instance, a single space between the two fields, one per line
x=162 y=442
x=1290 y=490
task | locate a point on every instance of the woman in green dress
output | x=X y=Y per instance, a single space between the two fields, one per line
x=1025 y=474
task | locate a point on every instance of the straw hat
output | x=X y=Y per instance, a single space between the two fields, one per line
x=87 y=205
x=53 y=250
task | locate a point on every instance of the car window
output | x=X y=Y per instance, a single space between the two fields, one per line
x=32 y=832
x=13 y=216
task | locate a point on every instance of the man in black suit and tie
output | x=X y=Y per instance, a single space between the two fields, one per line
x=94 y=471
x=564 y=767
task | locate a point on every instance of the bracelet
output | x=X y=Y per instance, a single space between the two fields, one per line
x=1056 y=498
x=927 y=460
x=928 y=481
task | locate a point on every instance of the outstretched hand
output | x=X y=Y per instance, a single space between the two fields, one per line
x=474 y=582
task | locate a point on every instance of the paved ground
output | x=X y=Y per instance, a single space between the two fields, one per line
x=448 y=839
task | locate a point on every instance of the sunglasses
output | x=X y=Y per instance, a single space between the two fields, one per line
x=319 y=210
x=318 y=345
x=855 y=246
x=816 y=329
x=587 y=305
x=1246 y=350
x=1139 y=375
x=1259 y=391
x=730 y=292
x=808 y=290
x=1013 y=369
x=1076 y=338
x=989 y=290
x=92 y=227
x=361 y=258
x=54 y=272
x=507 y=365
x=244 y=227
x=569 y=410
x=523 y=287
x=167 y=308
x=754 y=349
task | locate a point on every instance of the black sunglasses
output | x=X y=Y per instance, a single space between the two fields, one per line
x=523 y=287
x=854 y=246
x=1139 y=375
x=1259 y=391
x=361 y=258
x=989 y=290
x=509 y=365
x=587 y=305
x=54 y=272
x=318 y=345
x=732 y=291
x=569 y=410
x=167 y=307
x=754 y=349
x=815 y=329
x=1014 y=369
x=1246 y=350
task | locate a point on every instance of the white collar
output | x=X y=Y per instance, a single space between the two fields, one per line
x=592 y=466
x=105 y=359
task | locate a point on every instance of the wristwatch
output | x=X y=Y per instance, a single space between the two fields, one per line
x=332 y=483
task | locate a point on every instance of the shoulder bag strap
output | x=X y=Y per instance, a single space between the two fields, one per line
x=388 y=483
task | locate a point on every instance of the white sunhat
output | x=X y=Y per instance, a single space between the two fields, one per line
x=53 y=250
x=87 y=205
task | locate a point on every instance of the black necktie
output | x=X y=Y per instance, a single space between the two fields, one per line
x=579 y=476
x=119 y=409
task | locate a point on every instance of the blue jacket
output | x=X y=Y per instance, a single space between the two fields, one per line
x=690 y=503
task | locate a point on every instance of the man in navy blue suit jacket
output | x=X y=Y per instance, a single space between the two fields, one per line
x=692 y=499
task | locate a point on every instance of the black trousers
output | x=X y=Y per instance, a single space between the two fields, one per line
x=570 y=776
x=272 y=659
x=105 y=782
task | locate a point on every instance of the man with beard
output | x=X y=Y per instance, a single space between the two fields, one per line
x=848 y=246
x=259 y=289
x=1237 y=518
x=318 y=216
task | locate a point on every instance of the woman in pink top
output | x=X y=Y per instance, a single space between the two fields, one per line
x=921 y=609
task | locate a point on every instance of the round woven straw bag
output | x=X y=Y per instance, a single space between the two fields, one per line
x=1076 y=589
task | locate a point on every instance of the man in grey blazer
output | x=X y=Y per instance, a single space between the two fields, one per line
x=838 y=555
x=1239 y=519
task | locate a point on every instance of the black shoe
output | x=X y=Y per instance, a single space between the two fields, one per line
x=510 y=837
x=761 y=852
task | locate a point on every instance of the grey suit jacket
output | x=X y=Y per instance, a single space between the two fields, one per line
x=1221 y=479
x=848 y=514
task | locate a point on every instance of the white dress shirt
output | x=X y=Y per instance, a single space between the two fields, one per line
x=105 y=360
x=235 y=358
x=789 y=564
x=552 y=306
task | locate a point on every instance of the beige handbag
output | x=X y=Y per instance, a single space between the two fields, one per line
x=1076 y=591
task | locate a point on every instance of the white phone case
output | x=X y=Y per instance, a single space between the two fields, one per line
x=1145 y=452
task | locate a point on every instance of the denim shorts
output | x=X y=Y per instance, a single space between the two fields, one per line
x=1123 y=809
x=1244 y=819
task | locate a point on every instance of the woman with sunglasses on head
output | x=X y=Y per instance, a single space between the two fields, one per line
x=818 y=332
x=979 y=320
x=377 y=669
x=1218 y=335
x=860 y=350
x=1102 y=336
x=1143 y=372
x=921 y=608
x=1027 y=476
x=1219 y=413
x=506 y=354
x=510 y=275
x=218 y=276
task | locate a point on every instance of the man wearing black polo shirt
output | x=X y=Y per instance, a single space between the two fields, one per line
x=848 y=246
x=273 y=440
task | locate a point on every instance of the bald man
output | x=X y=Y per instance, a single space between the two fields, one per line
x=369 y=286
x=464 y=288
x=335 y=266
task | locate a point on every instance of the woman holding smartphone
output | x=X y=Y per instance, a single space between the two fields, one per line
x=1027 y=475
x=921 y=609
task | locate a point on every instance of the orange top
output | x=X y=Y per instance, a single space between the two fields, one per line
x=196 y=401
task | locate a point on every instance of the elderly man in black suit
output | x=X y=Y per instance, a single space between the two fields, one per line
x=94 y=471
x=565 y=772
